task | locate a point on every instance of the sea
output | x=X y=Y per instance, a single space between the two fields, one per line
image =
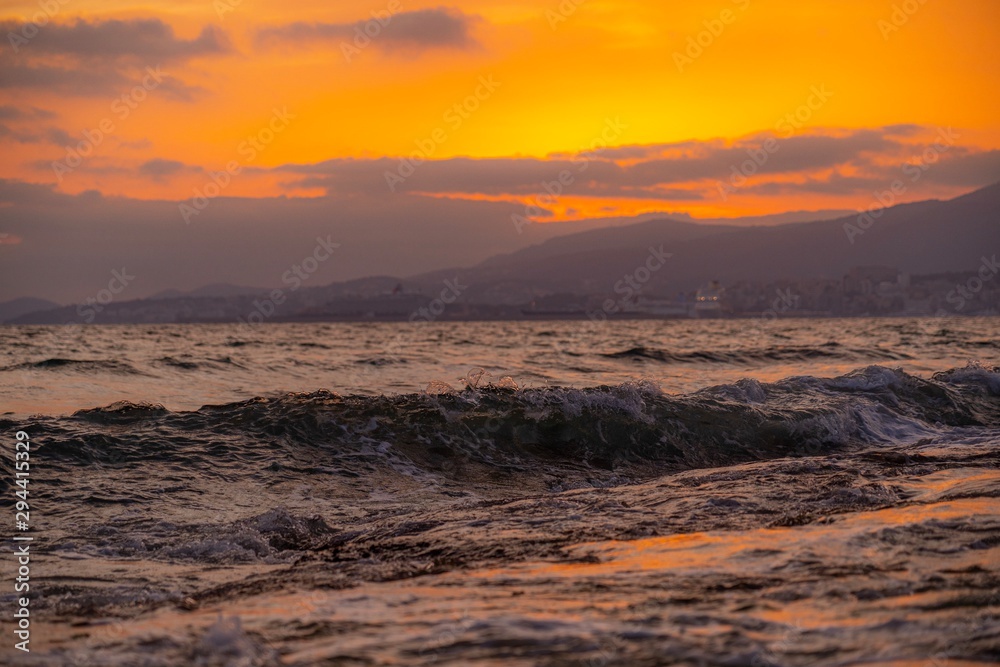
x=755 y=492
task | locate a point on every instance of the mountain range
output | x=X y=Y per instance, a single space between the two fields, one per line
x=920 y=238
x=925 y=237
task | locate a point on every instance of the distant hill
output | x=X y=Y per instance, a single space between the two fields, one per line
x=925 y=237
x=779 y=218
x=10 y=310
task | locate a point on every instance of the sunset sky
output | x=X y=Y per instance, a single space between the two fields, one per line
x=502 y=97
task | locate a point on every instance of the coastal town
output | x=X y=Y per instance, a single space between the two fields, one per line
x=867 y=291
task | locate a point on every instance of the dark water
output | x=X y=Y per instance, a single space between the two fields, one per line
x=57 y=370
x=648 y=493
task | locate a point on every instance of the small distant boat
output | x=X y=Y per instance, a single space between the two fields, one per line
x=708 y=301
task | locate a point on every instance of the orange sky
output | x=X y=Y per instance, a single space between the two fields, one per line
x=564 y=70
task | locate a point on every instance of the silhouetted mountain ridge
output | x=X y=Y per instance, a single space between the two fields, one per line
x=925 y=237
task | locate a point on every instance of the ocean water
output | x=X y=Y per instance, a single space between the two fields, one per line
x=733 y=492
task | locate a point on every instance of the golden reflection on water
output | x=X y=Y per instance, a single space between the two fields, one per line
x=760 y=549
x=533 y=591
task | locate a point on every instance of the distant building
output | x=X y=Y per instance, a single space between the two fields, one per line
x=708 y=301
x=867 y=279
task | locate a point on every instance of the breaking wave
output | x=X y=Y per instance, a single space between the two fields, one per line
x=632 y=427
x=833 y=351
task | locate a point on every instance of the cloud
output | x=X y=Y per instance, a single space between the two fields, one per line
x=105 y=57
x=903 y=130
x=9 y=112
x=417 y=30
x=964 y=168
x=794 y=154
x=159 y=168
x=86 y=82
x=59 y=137
x=834 y=162
x=8 y=134
x=973 y=169
x=52 y=135
x=28 y=194
x=148 y=40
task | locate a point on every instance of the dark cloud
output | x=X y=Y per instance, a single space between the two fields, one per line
x=52 y=135
x=903 y=130
x=954 y=168
x=8 y=112
x=966 y=170
x=89 y=82
x=791 y=155
x=20 y=136
x=59 y=137
x=104 y=57
x=493 y=176
x=830 y=162
x=150 y=41
x=598 y=175
x=59 y=79
x=647 y=151
x=834 y=184
x=158 y=168
x=30 y=194
x=416 y=30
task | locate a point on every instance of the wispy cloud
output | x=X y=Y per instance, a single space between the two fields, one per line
x=10 y=112
x=159 y=168
x=147 y=40
x=417 y=30
x=88 y=59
